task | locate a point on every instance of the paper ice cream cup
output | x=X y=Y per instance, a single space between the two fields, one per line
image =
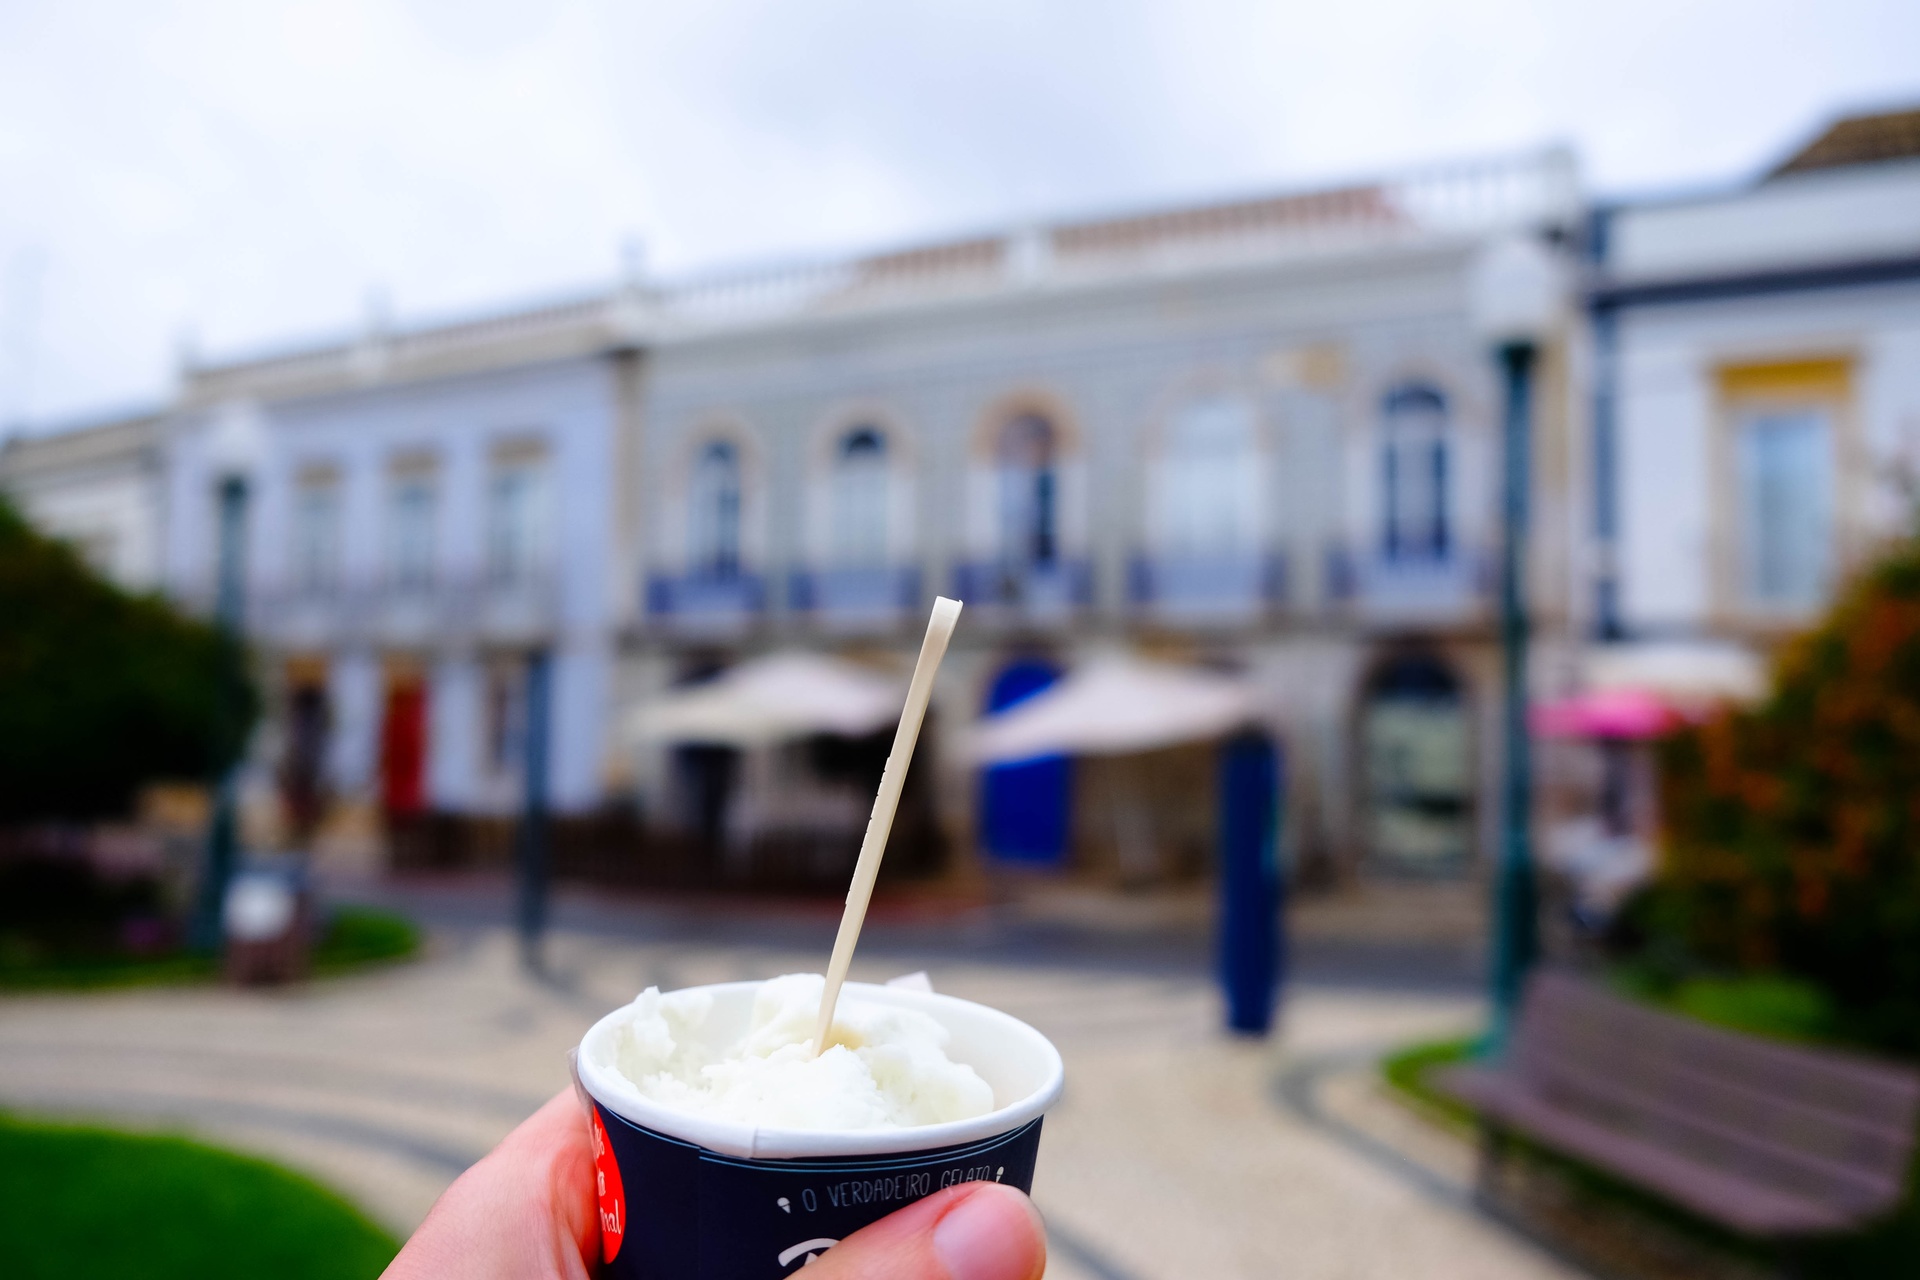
x=692 y=1196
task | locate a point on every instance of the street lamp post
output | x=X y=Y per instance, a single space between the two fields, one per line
x=1515 y=299
x=234 y=450
x=533 y=854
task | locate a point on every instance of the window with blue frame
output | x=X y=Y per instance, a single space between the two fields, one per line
x=713 y=542
x=1415 y=476
x=1027 y=459
x=860 y=500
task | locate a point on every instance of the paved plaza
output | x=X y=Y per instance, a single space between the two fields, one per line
x=1176 y=1152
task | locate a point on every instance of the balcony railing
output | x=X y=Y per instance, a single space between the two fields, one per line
x=1451 y=588
x=311 y=615
x=411 y=615
x=522 y=608
x=705 y=602
x=855 y=598
x=1202 y=589
x=1038 y=592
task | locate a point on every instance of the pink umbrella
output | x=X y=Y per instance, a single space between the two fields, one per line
x=1606 y=713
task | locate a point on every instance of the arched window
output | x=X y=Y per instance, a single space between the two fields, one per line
x=1027 y=456
x=859 y=498
x=1208 y=479
x=713 y=544
x=1414 y=475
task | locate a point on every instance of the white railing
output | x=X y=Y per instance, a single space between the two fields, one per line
x=1480 y=197
x=1535 y=190
x=1530 y=190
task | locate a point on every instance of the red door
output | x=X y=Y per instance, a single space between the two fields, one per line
x=403 y=750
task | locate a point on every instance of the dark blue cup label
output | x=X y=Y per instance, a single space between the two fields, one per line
x=679 y=1210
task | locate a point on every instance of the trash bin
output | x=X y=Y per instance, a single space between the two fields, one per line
x=267 y=924
x=1251 y=942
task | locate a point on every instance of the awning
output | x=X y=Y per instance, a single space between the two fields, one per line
x=1628 y=714
x=772 y=699
x=1112 y=706
x=1679 y=671
x=1642 y=690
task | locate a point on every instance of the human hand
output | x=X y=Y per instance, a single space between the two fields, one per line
x=527 y=1212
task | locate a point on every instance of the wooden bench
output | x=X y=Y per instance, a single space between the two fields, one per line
x=1765 y=1138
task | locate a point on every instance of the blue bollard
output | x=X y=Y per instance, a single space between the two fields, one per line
x=1252 y=946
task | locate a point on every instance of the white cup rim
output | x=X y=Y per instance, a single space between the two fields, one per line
x=754 y=1142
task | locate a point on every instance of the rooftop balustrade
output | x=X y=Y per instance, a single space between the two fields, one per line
x=1446 y=201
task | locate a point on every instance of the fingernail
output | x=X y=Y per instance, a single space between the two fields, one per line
x=994 y=1234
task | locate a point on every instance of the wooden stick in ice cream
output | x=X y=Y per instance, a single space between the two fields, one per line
x=939 y=630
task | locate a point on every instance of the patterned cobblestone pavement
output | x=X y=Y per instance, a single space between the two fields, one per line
x=1169 y=1157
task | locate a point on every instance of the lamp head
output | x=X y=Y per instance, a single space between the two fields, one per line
x=1515 y=291
x=238 y=440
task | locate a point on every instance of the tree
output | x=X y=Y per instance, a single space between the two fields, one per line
x=103 y=691
x=1792 y=841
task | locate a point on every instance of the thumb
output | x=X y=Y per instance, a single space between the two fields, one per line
x=980 y=1231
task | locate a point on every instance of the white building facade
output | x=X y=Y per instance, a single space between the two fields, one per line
x=99 y=485
x=422 y=515
x=1260 y=436
x=1757 y=392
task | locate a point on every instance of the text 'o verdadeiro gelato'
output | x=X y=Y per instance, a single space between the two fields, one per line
x=884 y=1067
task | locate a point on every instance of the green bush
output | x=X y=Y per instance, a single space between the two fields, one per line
x=1792 y=840
x=356 y=936
x=103 y=691
x=78 y=1201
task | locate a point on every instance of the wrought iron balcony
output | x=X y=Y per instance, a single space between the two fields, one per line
x=512 y=609
x=1207 y=589
x=1454 y=587
x=855 y=598
x=1030 y=592
x=704 y=603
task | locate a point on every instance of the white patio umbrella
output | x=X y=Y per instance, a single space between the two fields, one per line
x=772 y=699
x=1113 y=706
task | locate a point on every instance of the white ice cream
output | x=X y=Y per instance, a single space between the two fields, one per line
x=884 y=1067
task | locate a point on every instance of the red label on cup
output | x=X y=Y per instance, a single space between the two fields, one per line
x=613 y=1197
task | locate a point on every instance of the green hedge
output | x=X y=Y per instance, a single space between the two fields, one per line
x=354 y=938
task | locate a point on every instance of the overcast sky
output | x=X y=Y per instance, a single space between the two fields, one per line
x=252 y=172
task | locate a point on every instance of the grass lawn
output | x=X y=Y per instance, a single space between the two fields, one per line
x=80 y=1202
x=1406 y=1071
x=355 y=937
